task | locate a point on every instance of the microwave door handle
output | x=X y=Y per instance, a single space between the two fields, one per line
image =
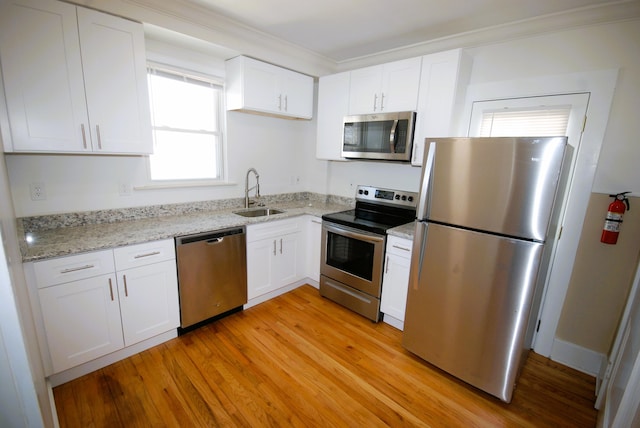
x=392 y=136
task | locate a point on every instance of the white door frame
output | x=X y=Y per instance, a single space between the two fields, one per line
x=600 y=85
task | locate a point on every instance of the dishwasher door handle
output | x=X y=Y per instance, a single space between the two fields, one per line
x=215 y=241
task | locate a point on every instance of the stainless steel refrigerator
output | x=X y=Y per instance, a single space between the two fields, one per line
x=487 y=220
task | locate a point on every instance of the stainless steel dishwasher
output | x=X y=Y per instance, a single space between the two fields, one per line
x=212 y=275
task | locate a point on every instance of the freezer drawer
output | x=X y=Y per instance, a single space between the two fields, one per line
x=468 y=304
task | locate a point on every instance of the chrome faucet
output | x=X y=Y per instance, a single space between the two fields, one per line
x=247 y=189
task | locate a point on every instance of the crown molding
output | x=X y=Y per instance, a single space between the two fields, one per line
x=234 y=38
x=588 y=16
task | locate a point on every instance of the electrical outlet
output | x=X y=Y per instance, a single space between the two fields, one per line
x=125 y=189
x=38 y=191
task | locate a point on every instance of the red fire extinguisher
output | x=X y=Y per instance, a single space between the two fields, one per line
x=612 y=222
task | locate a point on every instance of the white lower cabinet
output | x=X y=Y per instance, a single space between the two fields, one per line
x=274 y=256
x=97 y=303
x=82 y=320
x=395 y=282
x=148 y=301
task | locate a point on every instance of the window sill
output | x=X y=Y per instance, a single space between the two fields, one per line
x=183 y=184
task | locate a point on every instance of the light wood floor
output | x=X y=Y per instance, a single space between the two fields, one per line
x=301 y=360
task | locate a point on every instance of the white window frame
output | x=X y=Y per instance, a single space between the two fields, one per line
x=223 y=179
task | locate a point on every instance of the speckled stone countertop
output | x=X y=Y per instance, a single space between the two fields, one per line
x=405 y=231
x=46 y=238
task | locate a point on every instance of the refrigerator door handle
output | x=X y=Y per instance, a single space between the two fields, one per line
x=423 y=228
x=421 y=212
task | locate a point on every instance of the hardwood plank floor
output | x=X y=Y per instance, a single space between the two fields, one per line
x=301 y=360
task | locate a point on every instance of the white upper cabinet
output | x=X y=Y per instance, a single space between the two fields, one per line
x=333 y=106
x=257 y=87
x=74 y=80
x=388 y=87
x=443 y=84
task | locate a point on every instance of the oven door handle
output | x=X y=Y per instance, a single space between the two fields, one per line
x=374 y=239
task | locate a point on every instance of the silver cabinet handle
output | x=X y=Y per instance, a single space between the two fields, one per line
x=99 y=138
x=124 y=279
x=111 y=289
x=77 y=269
x=280 y=102
x=375 y=102
x=286 y=103
x=386 y=265
x=153 y=253
x=382 y=102
x=84 y=136
x=274 y=247
x=280 y=245
x=401 y=248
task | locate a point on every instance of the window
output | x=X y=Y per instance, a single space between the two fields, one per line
x=539 y=122
x=186 y=118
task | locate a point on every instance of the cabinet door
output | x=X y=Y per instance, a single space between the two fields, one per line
x=395 y=284
x=82 y=320
x=443 y=83
x=296 y=92
x=44 y=93
x=400 y=85
x=286 y=263
x=364 y=90
x=260 y=256
x=261 y=87
x=333 y=106
x=148 y=300
x=113 y=59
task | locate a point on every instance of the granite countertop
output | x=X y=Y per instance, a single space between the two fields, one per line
x=405 y=231
x=49 y=243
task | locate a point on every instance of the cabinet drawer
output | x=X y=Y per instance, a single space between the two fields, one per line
x=144 y=254
x=73 y=268
x=272 y=229
x=399 y=246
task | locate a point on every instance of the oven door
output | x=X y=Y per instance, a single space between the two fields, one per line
x=353 y=257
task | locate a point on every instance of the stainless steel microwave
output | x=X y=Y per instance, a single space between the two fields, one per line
x=381 y=136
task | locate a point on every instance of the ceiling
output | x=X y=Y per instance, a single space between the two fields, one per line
x=342 y=30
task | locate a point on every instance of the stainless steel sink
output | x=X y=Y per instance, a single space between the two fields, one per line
x=257 y=212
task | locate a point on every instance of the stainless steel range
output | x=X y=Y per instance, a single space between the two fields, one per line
x=353 y=247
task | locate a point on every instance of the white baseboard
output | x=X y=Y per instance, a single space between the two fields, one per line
x=577 y=357
x=393 y=322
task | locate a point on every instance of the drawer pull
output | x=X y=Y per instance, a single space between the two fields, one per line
x=126 y=291
x=111 y=289
x=401 y=248
x=154 y=253
x=77 y=269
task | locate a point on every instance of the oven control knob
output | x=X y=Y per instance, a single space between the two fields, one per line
x=366 y=192
x=410 y=198
x=360 y=191
x=404 y=197
x=397 y=196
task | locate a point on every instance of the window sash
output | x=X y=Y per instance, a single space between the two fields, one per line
x=187 y=147
x=538 y=122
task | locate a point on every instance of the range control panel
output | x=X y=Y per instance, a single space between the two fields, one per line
x=387 y=196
